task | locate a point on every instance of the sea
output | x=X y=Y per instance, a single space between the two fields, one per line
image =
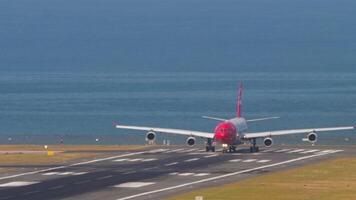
x=69 y=70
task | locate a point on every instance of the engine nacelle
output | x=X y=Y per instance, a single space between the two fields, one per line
x=268 y=142
x=151 y=136
x=190 y=141
x=312 y=137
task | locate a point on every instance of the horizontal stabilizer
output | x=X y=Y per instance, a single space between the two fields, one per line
x=262 y=119
x=214 y=118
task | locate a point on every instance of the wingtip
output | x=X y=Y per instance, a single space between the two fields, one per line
x=114 y=123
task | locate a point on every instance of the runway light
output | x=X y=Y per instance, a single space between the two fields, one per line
x=45 y=146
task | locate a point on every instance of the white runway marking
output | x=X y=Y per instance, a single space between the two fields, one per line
x=79 y=173
x=75 y=164
x=189 y=150
x=50 y=173
x=17 y=184
x=263 y=161
x=157 y=150
x=235 y=160
x=249 y=160
x=134 y=184
x=202 y=174
x=170 y=164
x=191 y=160
x=120 y=160
x=189 y=174
x=330 y=151
x=209 y=156
x=221 y=176
x=309 y=151
x=65 y=173
x=185 y=174
x=135 y=159
x=296 y=151
x=282 y=150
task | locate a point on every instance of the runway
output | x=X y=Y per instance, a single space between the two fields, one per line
x=155 y=173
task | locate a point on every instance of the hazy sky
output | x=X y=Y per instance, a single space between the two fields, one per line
x=178 y=35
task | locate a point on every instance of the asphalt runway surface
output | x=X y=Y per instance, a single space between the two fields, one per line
x=155 y=173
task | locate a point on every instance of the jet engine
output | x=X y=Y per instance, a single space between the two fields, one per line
x=150 y=136
x=268 y=142
x=312 y=137
x=190 y=141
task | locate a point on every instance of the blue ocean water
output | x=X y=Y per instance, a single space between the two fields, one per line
x=69 y=69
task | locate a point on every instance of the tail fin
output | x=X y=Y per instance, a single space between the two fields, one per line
x=239 y=101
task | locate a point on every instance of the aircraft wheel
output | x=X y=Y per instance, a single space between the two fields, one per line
x=207 y=149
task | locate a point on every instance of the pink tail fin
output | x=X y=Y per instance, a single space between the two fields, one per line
x=238 y=114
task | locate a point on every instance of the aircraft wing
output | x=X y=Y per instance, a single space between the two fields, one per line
x=169 y=130
x=295 y=131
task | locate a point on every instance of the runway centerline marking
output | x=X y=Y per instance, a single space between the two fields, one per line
x=263 y=161
x=235 y=160
x=210 y=156
x=71 y=165
x=249 y=160
x=222 y=176
x=170 y=164
x=17 y=184
x=134 y=184
x=192 y=159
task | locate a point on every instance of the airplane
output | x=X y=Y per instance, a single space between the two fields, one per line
x=233 y=132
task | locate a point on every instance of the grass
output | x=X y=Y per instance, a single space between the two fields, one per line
x=328 y=180
x=67 y=153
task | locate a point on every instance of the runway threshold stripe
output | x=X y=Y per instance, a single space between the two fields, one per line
x=223 y=176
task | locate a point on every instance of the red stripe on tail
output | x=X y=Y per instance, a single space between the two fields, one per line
x=239 y=101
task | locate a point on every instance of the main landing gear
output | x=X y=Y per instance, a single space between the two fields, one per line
x=210 y=146
x=254 y=148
